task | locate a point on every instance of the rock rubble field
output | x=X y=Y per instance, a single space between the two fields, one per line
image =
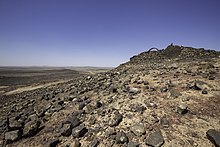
x=168 y=97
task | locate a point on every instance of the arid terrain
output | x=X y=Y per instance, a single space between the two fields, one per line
x=168 y=97
x=15 y=80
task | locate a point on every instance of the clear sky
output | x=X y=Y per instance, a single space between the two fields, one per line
x=101 y=32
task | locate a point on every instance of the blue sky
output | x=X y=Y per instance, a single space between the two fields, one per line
x=101 y=32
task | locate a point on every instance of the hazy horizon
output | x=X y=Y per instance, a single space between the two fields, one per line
x=101 y=33
x=47 y=66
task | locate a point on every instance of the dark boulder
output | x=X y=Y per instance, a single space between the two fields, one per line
x=214 y=137
x=79 y=131
x=73 y=120
x=116 y=119
x=31 y=128
x=66 y=129
x=121 y=137
x=155 y=139
x=53 y=143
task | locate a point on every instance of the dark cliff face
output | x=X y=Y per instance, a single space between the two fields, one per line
x=173 y=52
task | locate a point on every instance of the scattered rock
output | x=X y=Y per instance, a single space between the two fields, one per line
x=208 y=66
x=182 y=108
x=211 y=77
x=133 y=144
x=110 y=100
x=31 y=128
x=15 y=123
x=200 y=85
x=174 y=66
x=41 y=109
x=78 y=113
x=79 y=131
x=2 y=143
x=53 y=143
x=114 y=89
x=81 y=105
x=139 y=90
x=98 y=104
x=74 y=121
x=116 y=119
x=163 y=89
x=110 y=132
x=12 y=136
x=137 y=108
x=164 y=122
x=94 y=143
x=155 y=139
x=33 y=117
x=150 y=104
x=185 y=98
x=133 y=90
x=138 y=129
x=61 y=102
x=66 y=129
x=140 y=81
x=3 y=124
x=174 y=93
x=88 y=109
x=121 y=137
x=204 y=91
x=75 y=143
x=214 y=137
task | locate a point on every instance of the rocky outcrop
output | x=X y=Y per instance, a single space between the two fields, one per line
x=173 y=52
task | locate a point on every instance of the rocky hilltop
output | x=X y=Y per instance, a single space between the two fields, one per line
x=168 y=97
x=173 y=52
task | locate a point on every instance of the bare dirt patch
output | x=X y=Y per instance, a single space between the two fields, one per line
x=29 y=88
